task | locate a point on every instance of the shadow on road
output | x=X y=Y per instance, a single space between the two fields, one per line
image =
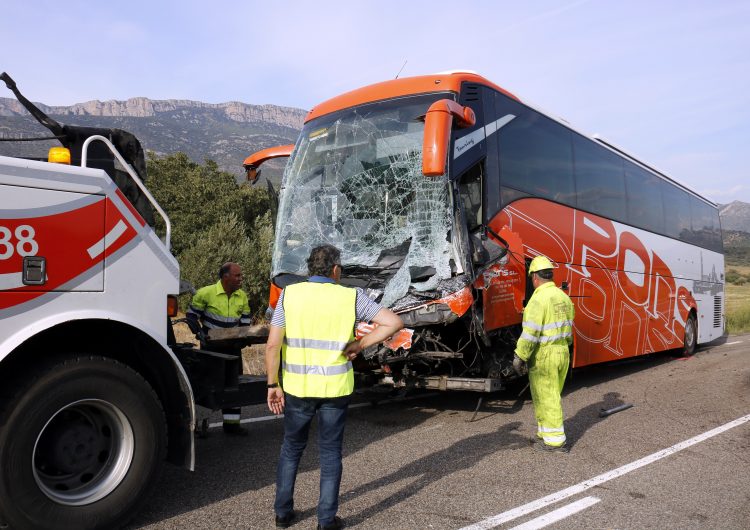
x=229 y=466
x=588 y=416
x=226 y=467
x=429 y=469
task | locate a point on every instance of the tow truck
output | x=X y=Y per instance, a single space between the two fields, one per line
x=95 y=392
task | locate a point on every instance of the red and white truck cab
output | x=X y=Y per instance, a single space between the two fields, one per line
x=95 y=393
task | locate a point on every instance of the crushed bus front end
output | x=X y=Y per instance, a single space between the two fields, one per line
x=356 y=180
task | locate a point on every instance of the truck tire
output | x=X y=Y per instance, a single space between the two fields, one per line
x=690 y=339
x=82 y=443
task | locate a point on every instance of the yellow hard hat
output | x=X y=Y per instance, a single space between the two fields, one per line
x=540 y=263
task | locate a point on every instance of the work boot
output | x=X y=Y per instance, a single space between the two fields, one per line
x=235 y=429
x=543 y=447
x=336 y=524
x=287 y=520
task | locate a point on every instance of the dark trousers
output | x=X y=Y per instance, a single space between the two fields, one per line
x=231 y=378
x=298 y=415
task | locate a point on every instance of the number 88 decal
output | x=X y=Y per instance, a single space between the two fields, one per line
x=25 y=245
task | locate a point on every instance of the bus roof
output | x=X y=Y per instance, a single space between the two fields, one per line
x=451 y=81
x=442 y=82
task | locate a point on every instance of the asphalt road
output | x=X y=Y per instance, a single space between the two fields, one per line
x=679 y=458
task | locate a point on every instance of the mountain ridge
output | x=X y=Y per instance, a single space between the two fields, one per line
x=224 y=132
x=142 y=107
x=735 y=216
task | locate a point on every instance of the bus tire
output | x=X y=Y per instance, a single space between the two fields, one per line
x=690 y=339
x=82 y=444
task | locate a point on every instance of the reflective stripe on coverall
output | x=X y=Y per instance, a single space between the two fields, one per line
x=547 y=333
x=320 y=321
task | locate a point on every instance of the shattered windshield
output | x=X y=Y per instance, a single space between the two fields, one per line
x=355 y=181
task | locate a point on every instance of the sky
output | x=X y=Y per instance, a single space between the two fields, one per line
x=668 y=81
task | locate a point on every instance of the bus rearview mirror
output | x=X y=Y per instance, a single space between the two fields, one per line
x=438 y=122
x=252 y=162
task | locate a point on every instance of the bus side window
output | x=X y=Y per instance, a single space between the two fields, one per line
x=470 y=191
x=706 y=225
x=645 y=208
x=599 y=180
x=536 y=154
x=677 y=222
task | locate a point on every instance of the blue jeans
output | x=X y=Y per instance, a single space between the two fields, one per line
x=298 y=414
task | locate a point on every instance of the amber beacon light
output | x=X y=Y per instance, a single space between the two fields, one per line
x=59 y=155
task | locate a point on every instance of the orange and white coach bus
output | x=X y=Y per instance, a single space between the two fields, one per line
x=440 y=189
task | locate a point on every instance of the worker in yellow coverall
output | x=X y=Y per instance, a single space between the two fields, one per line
x=544 y=342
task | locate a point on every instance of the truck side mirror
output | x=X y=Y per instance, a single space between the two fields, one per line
x=438 y=123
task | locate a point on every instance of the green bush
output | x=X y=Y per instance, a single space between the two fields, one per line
x=737 y=278
x=737 y=255
x=214 y=220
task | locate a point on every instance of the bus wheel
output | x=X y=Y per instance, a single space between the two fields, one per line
x=691 y=336
x=81 y=446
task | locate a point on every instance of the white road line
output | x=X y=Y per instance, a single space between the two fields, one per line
x=354 y=406
x=735 y=342
x=248 y=420
x=532 y=506
x=557 y=515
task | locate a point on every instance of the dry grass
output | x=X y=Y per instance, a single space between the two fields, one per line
x=252 y=356
x=741 y=268
x=737 y=296
x=253 y=359
x=738 y=307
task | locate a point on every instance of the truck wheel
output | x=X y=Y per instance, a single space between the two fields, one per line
x=81 y=445
x=691 y=336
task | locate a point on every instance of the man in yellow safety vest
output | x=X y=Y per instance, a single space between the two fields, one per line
x=223 y=305
x=544 y=345
x=313 y=329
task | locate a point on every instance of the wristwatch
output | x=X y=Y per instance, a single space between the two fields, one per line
x=272 y=385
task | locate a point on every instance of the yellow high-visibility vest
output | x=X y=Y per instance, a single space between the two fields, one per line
x=214 y=309
x=320 y=321
x=547 y=322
